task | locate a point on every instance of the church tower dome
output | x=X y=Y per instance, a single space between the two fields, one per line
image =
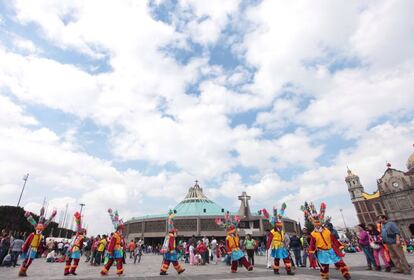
x=355 y=187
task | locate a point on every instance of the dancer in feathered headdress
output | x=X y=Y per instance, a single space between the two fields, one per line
x=116 y=246
x=32 y=243
x=76 y=245
x=323 y=244
x=233 y=242
x=277 y=240
x=169 y=247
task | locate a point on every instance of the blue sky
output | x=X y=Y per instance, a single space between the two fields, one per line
x=275 y=99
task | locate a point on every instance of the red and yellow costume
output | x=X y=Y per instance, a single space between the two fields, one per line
x=276 y=240
x=33 y=241
x=324 y=245
x=115 y=251
x=233 y=242
x=76 y=245
x=233 y=249
x=169 y=249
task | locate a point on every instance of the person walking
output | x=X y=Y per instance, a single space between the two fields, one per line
x=250 y=245
x=138 y=253
x=392 y=239
x=131 y=248
x=296 y=246
x=202 y=249
x=378 y=248
x=305 y=241
x=363 y=241
x=88 y=249
x=213 y=246
x=4 y=245
x=191 y=249
x=266 y=238
x=206 y=256
x=16 y=249
x=94 y=248
x=101 y=248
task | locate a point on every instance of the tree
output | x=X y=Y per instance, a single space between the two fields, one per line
x=12 y=219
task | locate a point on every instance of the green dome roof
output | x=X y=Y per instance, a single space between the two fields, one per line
x=196 y=203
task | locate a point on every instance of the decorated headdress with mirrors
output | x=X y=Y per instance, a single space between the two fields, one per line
x=78 y=222
x=170 y=221
x=276 y=218
x=230 y=223
x=312 y=215
x=116 y=221
x=42 y=224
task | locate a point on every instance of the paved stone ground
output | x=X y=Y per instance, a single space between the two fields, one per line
x=149 y=269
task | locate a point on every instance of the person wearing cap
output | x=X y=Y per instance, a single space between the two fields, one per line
x=169 y=248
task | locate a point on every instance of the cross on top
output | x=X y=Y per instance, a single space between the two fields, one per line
x=245 y=198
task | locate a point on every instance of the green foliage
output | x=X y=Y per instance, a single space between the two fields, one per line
x=12 y=218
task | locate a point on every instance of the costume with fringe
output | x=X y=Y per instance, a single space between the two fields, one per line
x=32 y=243
x=115 y=250
x=277 y=240
x=233 y=242
x=76 y=245
x=169 y=248
x=323 y=244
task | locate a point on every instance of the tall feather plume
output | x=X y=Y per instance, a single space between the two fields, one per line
x=51 y=217
x=237 y=219
x=313 y=210
x=265 y=213
x=227 y=217
x=30 y=218
x=111 y=215
x=282 y=211
x=78 y=221
x=322 y=211
x=219 y=222
x=42 y=215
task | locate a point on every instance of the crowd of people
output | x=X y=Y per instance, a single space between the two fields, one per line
x=381 y=243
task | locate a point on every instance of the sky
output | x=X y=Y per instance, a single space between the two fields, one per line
x=124 y=104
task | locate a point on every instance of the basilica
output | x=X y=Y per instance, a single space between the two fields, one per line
x=394 y=197
x=196 y=215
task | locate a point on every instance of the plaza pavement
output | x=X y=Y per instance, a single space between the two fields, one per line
x=150 y=264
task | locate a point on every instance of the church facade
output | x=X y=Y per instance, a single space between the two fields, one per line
x=394 y=197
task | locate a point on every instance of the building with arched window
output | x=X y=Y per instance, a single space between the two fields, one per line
x=394 y=197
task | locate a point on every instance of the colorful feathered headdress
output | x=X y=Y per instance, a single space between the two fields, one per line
x=42 y=224
x=230 y=223
x=312 y=215
x=116 y=221
x=276 y=218
x=78 y=222
x=170 y=221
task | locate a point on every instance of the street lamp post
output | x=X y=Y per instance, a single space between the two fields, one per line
x=343 y=219
x=25 y=177
x=81 y=205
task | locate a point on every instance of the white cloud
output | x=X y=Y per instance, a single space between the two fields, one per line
x=295 y=74
x=25 y=45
